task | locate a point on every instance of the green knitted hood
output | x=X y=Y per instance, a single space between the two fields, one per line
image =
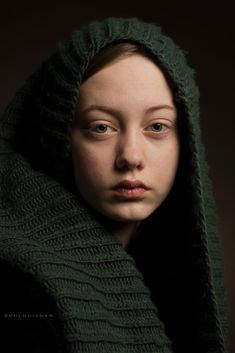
x=166 y=293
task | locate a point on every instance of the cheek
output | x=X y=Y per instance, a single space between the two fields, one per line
x=171 y=162
x=166 y=163
x=91 y=161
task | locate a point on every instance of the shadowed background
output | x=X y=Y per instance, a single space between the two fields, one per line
x=30 y=32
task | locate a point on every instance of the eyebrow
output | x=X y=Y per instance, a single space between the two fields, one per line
x=116 y=112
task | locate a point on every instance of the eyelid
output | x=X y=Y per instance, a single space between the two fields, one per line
x=100 y=121
x=162 y=120
x=163 y=131
x=169 y=127
x=93 y=125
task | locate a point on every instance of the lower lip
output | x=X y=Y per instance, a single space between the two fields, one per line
x=131 y=194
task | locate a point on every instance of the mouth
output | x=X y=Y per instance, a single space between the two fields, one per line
x=131 y=190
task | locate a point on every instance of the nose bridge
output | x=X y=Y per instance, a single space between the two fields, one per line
x=130 y=148
x=130 y=141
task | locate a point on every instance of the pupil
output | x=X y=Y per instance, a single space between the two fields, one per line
x=157 y=126
x=102 y=127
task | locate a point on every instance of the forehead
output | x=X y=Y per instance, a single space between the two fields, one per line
x=130 y=79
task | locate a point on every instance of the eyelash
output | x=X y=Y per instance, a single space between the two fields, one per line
x=106 y=125
x=97 y=125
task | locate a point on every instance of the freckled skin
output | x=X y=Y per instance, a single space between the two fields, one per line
x=109 y=147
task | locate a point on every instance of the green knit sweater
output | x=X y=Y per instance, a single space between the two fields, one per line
x=165 y=292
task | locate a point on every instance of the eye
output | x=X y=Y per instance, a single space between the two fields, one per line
x=101 y=128
x=157 y=127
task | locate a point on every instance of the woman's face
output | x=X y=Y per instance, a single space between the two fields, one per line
x=125 y=142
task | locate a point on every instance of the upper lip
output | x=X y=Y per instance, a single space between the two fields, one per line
x=131 y=184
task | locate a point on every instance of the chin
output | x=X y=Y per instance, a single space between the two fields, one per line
x=129 y=213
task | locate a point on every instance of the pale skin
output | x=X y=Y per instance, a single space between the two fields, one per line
x=125 y=129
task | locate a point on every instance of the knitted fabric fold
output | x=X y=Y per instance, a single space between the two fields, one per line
x=100 y=294
x=165 y=294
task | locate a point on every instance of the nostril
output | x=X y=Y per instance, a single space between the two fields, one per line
x=123 y=162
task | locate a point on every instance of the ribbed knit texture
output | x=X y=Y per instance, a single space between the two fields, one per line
x=102 y=300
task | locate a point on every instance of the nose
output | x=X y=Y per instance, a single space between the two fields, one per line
x=130 y=152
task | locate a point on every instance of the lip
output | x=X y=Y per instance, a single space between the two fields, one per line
x=131 y=184
x=131 y=190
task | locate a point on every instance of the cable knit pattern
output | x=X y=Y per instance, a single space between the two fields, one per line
x=102 y=300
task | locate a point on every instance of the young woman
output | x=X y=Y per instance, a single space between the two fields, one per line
x=108 y=238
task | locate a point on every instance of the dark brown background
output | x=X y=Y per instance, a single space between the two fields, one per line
x=30 y=31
